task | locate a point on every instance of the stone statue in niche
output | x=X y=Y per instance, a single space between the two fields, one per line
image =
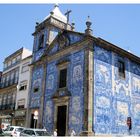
x=63 y=41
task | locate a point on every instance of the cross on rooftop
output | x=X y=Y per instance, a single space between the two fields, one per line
x=67 y=14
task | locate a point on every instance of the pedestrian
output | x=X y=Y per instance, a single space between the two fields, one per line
x=55 y=133
x=72 y=133
x=1 y=131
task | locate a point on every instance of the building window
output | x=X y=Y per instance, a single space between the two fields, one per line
x=4 y=99
x=12 y=78
x=21 y=103
x=13 y=61
x=41 y=41
x=18 y=57
x=5 y=65
x=8 y=99
x=3 y=81
x=63 y=78
x=9 y=63
x=23 y=87
x=16 y=76
x=36 y=89
x=7 y=78
x=121 y=68
x=25 y=67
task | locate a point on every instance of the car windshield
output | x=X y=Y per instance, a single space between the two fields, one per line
x=11 y=129
x=42 y=133
x=18 y=129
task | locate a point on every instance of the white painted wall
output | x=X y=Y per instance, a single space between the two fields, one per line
x=23 y=94
x=26 y=53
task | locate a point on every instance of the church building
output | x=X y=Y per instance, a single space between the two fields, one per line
x=80 y=82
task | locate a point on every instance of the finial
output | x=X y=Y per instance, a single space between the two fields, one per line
x=88 y=22
x=73 y=25
x=88 y=31
x=51 y=12
x=37 y=23
x=56 y=5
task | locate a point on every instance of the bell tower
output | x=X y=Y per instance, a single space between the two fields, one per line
x=46 y=31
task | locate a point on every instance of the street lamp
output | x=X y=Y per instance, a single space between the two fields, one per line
x=35 y=118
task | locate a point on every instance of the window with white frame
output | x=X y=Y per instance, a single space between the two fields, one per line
x=9 y=63
x=5 y=65
x=12 y=77
x=16 y=76
x=21 y=103
x=14 y=60
x=18 y=57
x=23 y=85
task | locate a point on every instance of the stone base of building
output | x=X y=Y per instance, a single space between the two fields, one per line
x=87 y=133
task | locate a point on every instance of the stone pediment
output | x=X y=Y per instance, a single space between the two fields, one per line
x=63 y=40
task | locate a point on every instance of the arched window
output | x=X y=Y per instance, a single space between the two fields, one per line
x=41 y=41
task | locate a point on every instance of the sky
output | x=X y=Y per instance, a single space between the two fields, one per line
x=117 y=23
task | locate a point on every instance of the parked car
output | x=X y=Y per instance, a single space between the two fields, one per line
x=1 y=132
x=13 y=131
x=28 y=132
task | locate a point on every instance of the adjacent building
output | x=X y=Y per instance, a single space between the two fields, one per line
x=9 y=82
x=22 y=91
x=0 y=75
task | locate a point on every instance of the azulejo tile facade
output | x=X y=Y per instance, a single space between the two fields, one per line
x=88 y=84
x=37 y=76
x=115 y=98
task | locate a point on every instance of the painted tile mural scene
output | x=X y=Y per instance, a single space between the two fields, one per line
x=71 y=83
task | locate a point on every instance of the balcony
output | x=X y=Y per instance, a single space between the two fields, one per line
x=9 y=83
x=7 y=107
x=12 y=65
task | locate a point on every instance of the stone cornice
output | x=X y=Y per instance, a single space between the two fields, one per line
x=52 y=21
x=116 y=49
x=14 y=87
x=72 y=48
x=87 y=42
